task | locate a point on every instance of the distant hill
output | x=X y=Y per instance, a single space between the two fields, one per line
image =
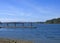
x=39 y=22
x=53 y=21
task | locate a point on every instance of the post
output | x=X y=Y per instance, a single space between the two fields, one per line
x=31 y=24
x=7 y=25
x=15 y=24
x=22 y=24
x=0 y=24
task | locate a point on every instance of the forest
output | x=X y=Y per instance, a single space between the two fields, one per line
x=53 y=21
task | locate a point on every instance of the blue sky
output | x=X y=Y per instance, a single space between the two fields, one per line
x=29 y=10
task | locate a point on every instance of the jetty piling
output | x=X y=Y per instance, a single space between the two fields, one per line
x=9 y=25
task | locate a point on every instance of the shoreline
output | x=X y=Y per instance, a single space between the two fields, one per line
x=6 y=40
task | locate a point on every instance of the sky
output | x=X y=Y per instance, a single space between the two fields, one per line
x=29 y=10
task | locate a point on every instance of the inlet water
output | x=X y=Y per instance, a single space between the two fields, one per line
x=44 y=33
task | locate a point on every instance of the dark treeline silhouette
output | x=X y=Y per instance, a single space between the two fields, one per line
x=53 y=21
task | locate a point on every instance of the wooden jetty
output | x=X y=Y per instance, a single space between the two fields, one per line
x=9 y=25
x=20 y=27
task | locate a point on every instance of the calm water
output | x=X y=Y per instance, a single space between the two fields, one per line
x=44 y=33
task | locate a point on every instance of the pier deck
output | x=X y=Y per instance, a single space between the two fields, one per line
x=9 y=25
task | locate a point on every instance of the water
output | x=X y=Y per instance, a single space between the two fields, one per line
x=44 y=33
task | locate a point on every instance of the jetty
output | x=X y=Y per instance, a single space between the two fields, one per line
x=17 y=25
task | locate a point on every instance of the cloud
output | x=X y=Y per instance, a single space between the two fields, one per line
x=26 y=11
x=18 y=20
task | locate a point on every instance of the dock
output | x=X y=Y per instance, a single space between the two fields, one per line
x=14 y=25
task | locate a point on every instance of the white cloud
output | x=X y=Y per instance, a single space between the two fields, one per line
x=31 y=13
x=18 y=20
x=43 y=9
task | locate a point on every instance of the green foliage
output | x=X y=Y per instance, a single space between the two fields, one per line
x=53 y=21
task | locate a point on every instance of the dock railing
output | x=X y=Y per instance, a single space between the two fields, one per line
x=17 y=25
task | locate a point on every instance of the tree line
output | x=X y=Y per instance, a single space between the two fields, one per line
x=53 y=21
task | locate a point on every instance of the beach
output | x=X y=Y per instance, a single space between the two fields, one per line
x=5 y=40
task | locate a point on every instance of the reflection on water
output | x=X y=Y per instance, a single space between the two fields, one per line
x=42 y=32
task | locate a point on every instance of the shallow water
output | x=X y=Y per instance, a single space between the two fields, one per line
x=44 y=33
